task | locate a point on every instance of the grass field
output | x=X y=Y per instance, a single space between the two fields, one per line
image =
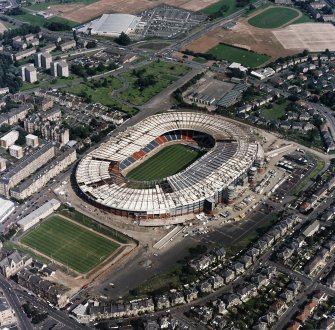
x=235 y=54
x=212 y=9
x=45 y=5
x=276 y=112
x=166 y=162
x=102 y=94
x=69 y=244
x=273 y=17
x=39 y=20
x=165 y=74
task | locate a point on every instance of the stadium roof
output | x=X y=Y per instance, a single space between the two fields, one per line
x=114 y=23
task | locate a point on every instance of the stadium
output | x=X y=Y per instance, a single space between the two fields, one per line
x=168 y=165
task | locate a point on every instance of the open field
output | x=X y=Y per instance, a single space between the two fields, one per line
x=46 y=5
x=235 y=54
x=168 y=161
x=164 y=74
x=312 y=36
x=83 y=13
x=274 y=17
x=101 y=95
x=263 y=41
x=70 y=244
x=40 y=21
x=276 y=112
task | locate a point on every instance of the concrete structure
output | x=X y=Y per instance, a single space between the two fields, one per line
x=25 y=167
x=42 y=212
x=29 y=73
x=37 y=60
x=9 y=139
x=113 y=25
x=6 y=208
x=39 y=179
x=16 y=151
x=32 y=140
x=101 y=174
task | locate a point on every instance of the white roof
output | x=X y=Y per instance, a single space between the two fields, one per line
x=53 y=203
x=114 y=23
x=31 y=136
x=15 y=147
x=5 y=206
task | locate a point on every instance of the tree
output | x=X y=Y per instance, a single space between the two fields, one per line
x=91 y=44
x=123 y=39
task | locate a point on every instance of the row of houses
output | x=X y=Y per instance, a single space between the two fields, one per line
x=210 y=282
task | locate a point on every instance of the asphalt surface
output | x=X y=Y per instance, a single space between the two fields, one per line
x=13 y=301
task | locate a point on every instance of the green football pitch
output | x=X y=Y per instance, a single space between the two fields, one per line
x=274 y=17
x=73 y=246
x=166 y=162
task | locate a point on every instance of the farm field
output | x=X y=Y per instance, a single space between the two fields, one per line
x=72 y=245
x=46 y=5
x=163 y=74
x=40 y=21
x=168 y=161
x=274 y=17
x=235 y=54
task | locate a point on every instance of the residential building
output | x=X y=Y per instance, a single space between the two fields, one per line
x=13 y=263
x=24 y=54
x=9 y=139
x=68 y=45
x=39 y=179
x=29 y=73
x=59 y=69
x=46 y=60
x=25 y=167
x=16 y=151
x=6 y=208
x=32 y=140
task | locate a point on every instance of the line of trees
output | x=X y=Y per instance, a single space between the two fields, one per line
x=9 y=76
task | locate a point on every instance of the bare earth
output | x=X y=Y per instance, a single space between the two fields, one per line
x=311 y=36
x=2 y=28
x=245 y=36
x=81 y=13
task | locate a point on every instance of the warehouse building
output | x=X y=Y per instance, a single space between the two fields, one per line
x=42 y=212
x=112 y=25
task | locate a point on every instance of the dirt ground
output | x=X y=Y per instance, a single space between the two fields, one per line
x=2 y=28
x=312 y=36
x=81 y=13
x=243 y=35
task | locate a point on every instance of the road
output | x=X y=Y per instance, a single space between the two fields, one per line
x=13 y=301
x=58 y=315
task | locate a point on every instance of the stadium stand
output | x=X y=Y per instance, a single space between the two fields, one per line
x=230 y=154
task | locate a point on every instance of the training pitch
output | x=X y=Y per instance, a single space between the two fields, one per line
x=274 y=17
x=71 y=245
x=166 y=162
x=235 y=54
